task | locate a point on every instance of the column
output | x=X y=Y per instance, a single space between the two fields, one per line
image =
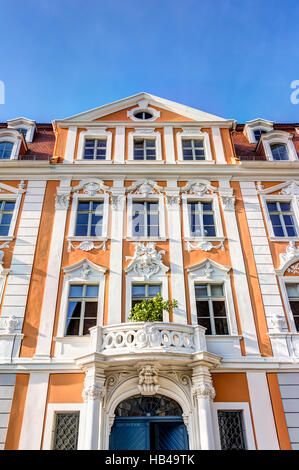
x=44 y=341
x=119 y=153
x=93 y=396
x=238 y=266
x=116 y=252
x=34 y=412
x=217 y=139
x=204 y=395
x=169 y=144
x=175 y=251
x=70 y=145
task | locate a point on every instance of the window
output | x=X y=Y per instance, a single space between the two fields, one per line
x=282 y=219
x=144 y=149
x=279 y=152
x=6 y=213
x=145 y=219
x=293 y=295
x=210 y=307
x=82 y=309
x=23 y=131
x=66 y=431
x=89 y=218
x=143 y=115
x=201 y=219
x=144 y=291
x=193 y=149
x=95 y=149
x=6 y=150
x=257 y=134
x=231 y=430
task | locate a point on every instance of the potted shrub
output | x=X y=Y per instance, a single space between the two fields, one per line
x=149 y=310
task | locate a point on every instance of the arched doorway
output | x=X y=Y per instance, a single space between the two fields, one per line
x=148 y=423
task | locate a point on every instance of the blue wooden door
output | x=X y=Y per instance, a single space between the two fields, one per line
x=130 y=435
x=171 y=436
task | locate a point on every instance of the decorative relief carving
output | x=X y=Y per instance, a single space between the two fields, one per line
x=62 y=201
x=206 y=271
x=146 y=261
x=93 y=392
x=204 y=390
x=91 y=187
x=204 y=245
x=291 y=189
x=292 y=253
x=228 y=203
x=148 y=383
x=277 y=324
x=199 y=188
x=173 y=200
x=116 y=200
x=86 y=245
x=144 y=187
x=85 y=270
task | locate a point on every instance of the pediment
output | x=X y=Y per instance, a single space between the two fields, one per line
x=13 y=189
x=208 y=269
x=84 y=270
x=287 y=188
x=117 y=110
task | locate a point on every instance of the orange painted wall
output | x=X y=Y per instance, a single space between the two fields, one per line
x=279 y=416
x=17 y=412
x=164 y=116
x=39 y=273
x=65 y=388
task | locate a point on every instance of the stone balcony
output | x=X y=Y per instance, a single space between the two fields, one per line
x=133 y=340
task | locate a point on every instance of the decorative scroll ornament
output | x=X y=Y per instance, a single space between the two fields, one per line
x=228 y=203
x=10 y=324
x=146 y=261
x=148 y=383
x=144 y=188
x=87 y=245
x=291 y=254
x=204 y=245
x=62 y=201
x=93 y=392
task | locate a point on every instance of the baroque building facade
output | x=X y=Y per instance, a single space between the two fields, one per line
x=138 y=197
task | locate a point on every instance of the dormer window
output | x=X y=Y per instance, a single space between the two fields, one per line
x=257 y=134
x=279 y=152
x=23 y=131
x=6 y=150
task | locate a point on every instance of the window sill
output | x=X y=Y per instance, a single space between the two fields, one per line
x=6 y=238
x=86 y=162
x=84 y=239
x=66 y=339
x=224 y=337
x=201 y=162
x=284 y=239
x=146 y=239
x=144 y=162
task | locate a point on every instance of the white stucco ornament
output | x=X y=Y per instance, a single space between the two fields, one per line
x=147 y=261
x=148 y=383
x=288 y=258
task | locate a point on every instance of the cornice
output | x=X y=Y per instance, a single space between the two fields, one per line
x=86 y=124
x=259 y=171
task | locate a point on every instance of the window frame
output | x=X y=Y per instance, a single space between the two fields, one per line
x=220 y=275
x=23 y=123
x=197 y=134
x=283 y=280
x=265 y=198
x=73 y=217
x=279 y=137
x=150 y=198
x=247 y=421
x=73 y=276
x=52 y=410
x=91 y=134
x=145 y=283
x=209 y=299
x=145 y=147
x=82 y=310
x=14 y=137
x=186 y=198
x=16 y=198
x=144 y=133
x=132 y=278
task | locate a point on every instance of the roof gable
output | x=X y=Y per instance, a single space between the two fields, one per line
x=177 y=109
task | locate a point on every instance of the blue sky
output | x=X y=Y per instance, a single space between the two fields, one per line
x=232 y=58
